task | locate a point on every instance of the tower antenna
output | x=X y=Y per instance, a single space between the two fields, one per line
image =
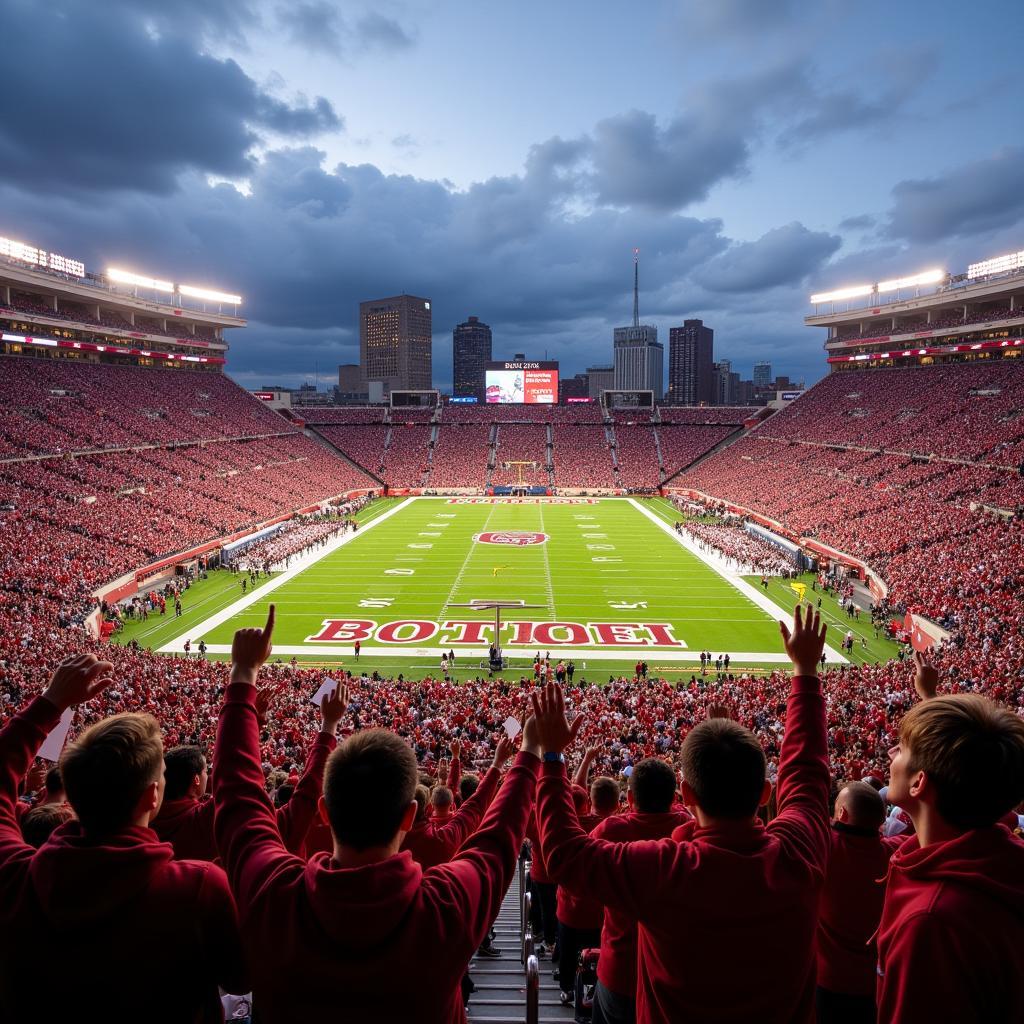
x=636 y=287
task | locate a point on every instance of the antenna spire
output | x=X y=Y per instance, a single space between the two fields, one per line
x=636 y=287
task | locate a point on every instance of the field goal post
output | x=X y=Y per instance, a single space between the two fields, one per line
x=517 y=466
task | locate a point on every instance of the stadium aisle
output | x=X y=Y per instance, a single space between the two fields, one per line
x=500 y=996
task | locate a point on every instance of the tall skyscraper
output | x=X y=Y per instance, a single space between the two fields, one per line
x=762 y=374
x=395 y=342
x=471 y=352
x=726 y=382
x=639 y=357
x=691 y=359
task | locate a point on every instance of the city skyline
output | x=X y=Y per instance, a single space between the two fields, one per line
x=308 y=155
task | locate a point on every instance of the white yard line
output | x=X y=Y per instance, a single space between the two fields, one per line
x=762 y=601
x=471 y=550
x=302 y=563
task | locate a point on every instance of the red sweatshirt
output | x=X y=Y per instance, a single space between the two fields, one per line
x=573 y=907
x=138 y=933
x=726 y=914
x=187 y=824
x=616 y=969
x=851 y=907
x=436 y=840
x=951 y=941
x=384 y=942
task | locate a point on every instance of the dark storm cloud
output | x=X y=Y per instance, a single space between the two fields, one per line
x=984 y=195
x=859 y=222
x=125 y=108
x=783 y=256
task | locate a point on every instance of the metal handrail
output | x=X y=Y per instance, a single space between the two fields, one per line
x=532 y=991
x=524 y=889
x=527 y=933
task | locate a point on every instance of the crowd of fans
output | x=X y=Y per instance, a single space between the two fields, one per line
x=293 y=539
x=582 y=457
x=938 y=557
x=743 y=551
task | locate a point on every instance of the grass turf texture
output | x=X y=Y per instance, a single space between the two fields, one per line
x=560 y=577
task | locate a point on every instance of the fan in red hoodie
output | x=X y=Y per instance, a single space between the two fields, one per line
x=185 y=819
x=139 y=934
x=365 y=933
x=652 y=815
x=951 y=940
x=579 y=916
x=851 y=906
x=726 y=912
x=435 y=840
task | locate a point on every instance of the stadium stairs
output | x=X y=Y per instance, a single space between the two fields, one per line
x=724 y=443
x=314 y=435
x=515 y=987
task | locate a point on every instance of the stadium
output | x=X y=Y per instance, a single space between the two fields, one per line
x=152 y=508
x=534 y=669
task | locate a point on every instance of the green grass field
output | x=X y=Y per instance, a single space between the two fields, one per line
x=609 y=585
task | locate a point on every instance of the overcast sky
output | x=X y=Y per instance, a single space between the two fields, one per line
x=503 y=159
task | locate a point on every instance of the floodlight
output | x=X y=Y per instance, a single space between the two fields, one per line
x=854 y=292
x=997 y=265
x=925 y=277
x=127 y=277
x=209 y=295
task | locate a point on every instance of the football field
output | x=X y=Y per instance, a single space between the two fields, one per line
x=606 y=582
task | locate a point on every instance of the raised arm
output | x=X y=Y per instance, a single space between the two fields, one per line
x=76 y=680
x=468 y=890
x=463 y=823
x=246 y=826
x=294 y=819
x=455 y=768
x=586 y=762
x=804 y=780
x=625 y=876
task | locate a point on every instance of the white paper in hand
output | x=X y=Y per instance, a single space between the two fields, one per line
x=54 y=743
x=329 y=685
x=512 y=727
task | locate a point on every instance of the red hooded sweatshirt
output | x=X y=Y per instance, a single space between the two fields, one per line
x=384 y=942
x=187 y=824
x=139 y=934
x=851 y=907
x=727 y=914
x=951 y=941
x=573 y=907
x=436 y=840
x=616 y=969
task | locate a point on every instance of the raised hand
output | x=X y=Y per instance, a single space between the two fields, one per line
x=503 y=750
x=555 y=731
x=456 y=748
x=36 y=777
x=718 y=711
x=531 y=737
x=332 y=707
x=926 y=676
x=251 y=648
x=805 y=641
x=78 y=679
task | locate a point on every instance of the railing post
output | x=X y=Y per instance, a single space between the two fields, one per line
x=527 y=934
x=532 y=991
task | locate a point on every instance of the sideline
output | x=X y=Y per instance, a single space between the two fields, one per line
x=200 y=629
x=765 y=603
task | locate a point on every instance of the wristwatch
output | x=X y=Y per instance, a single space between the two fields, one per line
x=553 y=756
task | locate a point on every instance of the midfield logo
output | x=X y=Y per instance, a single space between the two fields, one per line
x=517 y=538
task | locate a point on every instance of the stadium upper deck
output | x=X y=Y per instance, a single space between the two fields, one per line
x=50 y=301
x=929 y=317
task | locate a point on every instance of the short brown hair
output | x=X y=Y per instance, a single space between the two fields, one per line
x=653 y=784
x=441 y=796
x=972 y=751
x=369 y=782
x=41 y=822
x=604 y=795
x=864 y=804
x=724 y=765
x=108 y=767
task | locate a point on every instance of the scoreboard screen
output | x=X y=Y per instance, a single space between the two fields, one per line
x=522 y=383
